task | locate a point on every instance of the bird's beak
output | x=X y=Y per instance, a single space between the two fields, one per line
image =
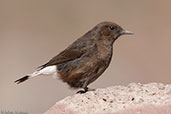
x=126 y=32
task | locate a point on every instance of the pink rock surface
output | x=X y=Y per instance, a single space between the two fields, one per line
x=152 y=98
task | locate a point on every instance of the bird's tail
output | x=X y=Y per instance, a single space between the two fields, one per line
x=47 y=71
x=28 y=76
x=22 y=79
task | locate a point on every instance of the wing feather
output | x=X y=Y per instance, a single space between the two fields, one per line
x=64 y=56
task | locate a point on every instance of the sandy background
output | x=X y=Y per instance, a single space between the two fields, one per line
x=33 y=31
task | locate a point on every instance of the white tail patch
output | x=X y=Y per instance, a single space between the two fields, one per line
x=47 y=71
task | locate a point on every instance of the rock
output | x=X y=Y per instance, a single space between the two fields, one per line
x=152 y=98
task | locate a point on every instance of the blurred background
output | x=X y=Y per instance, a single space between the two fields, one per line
x=33 y=31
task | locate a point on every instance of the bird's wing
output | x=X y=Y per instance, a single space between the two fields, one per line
x=66 y=55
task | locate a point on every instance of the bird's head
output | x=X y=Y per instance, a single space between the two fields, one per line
x=110 y=31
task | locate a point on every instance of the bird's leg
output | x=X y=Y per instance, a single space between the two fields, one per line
x=86 y=89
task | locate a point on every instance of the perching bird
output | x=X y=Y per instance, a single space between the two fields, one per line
x=82 y=62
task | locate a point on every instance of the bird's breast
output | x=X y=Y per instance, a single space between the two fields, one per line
x=104 y=51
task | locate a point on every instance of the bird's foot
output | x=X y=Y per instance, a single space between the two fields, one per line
x=86 y=89
x=81 y=91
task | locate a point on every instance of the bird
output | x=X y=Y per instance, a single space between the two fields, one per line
x=83 y=61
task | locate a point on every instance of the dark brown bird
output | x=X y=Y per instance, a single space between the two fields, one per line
x=85 y=59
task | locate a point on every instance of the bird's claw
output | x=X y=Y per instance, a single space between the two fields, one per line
x=81 y=91
x=86 y=89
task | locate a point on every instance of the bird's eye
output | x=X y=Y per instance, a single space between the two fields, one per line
x=112 y=27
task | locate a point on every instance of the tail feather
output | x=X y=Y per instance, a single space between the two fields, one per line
x=51 y=70
x=22 y=79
